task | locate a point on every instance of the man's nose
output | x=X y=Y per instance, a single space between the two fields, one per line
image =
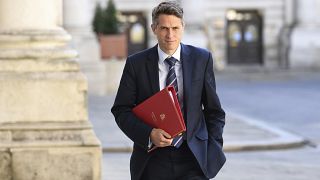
x=170 y=33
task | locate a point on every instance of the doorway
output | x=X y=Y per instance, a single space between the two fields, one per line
x=136 y=31
x=244 y=37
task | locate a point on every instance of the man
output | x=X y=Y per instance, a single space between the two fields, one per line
x=200 y=156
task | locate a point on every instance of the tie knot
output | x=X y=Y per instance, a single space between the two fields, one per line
x=171 y=61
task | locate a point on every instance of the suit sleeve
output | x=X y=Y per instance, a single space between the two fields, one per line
x=213 y=112
x=125 y=100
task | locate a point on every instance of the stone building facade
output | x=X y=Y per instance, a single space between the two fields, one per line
x=288 y=28
x=209 y=25
x=269 y=34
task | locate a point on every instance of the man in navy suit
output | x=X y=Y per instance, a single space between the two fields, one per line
x=200 y=156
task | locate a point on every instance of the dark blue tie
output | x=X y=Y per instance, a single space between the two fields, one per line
x=172 y=80
x=171 y=77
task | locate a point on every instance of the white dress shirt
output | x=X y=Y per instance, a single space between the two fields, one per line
x=164 y=70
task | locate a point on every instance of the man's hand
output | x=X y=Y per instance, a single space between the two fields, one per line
x=160 y=138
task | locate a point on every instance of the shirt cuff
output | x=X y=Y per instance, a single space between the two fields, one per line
x=150 y=144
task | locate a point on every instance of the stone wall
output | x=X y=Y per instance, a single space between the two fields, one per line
x=272 y=12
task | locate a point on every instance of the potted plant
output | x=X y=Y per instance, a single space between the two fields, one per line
x=105 y=24
x=97 y=23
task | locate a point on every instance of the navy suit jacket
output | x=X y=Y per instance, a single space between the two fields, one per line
x=204 y=116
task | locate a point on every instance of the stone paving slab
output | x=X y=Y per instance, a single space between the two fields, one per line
x=241 y=133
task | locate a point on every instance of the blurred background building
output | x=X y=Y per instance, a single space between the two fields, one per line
x=269 y=34
x=45 y=128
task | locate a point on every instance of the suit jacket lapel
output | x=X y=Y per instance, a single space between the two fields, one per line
x=187 y=64
x=153 y=69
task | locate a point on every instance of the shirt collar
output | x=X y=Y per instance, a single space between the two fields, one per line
x=163 y=55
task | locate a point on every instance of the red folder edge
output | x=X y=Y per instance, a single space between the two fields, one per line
x=177 y=105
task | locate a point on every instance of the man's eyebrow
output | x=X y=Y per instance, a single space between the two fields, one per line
x=168 y=26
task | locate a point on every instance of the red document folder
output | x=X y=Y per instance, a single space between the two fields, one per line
x=162 y=111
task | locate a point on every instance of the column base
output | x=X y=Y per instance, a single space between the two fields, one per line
x=54 y=163
x=49 y=151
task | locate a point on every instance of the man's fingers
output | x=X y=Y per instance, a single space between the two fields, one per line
x=160 y=138
x=165 y=134
x=165 y=140
x=165 y=143
x=168 y=142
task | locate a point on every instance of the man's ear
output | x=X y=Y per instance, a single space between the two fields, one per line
x=153 y=27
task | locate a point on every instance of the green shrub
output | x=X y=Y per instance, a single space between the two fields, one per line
x=105 y=21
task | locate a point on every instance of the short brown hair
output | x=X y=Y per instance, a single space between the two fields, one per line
x=168 y=8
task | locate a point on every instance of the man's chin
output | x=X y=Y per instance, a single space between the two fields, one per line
x=171 y=47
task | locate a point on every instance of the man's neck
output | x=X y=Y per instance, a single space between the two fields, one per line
x=169 y=52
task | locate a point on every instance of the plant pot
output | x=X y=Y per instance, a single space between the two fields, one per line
x=113 y=46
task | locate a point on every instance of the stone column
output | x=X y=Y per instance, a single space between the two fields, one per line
x=305 y=40
x=284 y=40
x=77 y=19
x=44 y=129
